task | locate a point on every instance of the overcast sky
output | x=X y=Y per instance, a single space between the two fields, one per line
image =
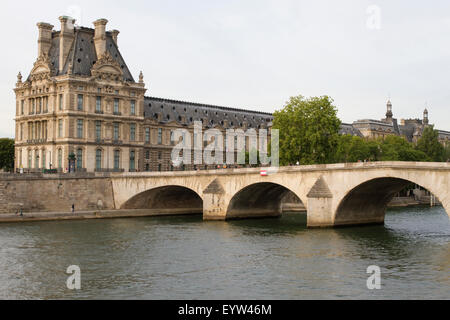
x=256 y=54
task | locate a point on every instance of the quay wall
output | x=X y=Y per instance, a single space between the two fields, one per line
x=55 y=193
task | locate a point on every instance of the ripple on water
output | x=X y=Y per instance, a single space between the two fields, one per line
x=184 y=257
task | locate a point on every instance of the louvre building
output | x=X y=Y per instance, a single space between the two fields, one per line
x=80 y=108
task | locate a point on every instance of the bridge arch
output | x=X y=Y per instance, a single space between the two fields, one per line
x=261 y=199
x=366 y=202
x=170 y=199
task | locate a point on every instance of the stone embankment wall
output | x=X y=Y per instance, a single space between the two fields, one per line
x=54 y=193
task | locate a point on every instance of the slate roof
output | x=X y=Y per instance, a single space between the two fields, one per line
x=347 y=128
x=83 y=56
x=186 y=113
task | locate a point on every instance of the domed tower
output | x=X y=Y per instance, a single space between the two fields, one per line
x=389 y=114
x=425 y=117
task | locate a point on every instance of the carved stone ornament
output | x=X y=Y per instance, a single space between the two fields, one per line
x=42 y=68
x=108 y=69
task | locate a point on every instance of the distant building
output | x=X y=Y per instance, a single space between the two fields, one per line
x=411 y=129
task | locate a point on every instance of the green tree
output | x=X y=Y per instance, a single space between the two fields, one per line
x=309 y=130
x=430 y=145
x=352 y=148
x=447 y=153
x=395 y=148
x=6 y=154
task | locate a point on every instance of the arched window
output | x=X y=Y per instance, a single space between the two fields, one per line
x=59 y=158
x=98 y=159
x=44 y=160
x=132 y=160
x=116 y=159
x=79 y=158
x=36 y=161
x=29 y=159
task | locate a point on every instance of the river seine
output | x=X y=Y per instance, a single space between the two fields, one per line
x=186 y=258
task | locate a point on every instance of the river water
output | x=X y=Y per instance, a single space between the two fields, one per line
x=186 y=258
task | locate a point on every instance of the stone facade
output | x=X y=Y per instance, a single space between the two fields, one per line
x=81 y=101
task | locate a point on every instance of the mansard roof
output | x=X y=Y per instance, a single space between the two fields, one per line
x=82 y=55
x=187 y=112
x=347 y=128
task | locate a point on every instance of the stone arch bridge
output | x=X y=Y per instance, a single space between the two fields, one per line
x=334 y=195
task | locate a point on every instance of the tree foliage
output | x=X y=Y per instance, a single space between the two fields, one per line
x=309 y=130
x=391 y=148
x=309 y=134
x=6 y=154
x=447 y=153
x=430 y=145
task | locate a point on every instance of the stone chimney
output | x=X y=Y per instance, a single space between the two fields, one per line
x=66 y=38
x=114 y=35
x=100 y=37
x=45 y=38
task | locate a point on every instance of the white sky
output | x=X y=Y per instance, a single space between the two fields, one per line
x=256 y=54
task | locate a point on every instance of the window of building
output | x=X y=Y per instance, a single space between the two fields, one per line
x=116 y=106
x=21 y=131
x=147 y=155
x=44 y=160
x=147 y=135
x=116 y=131
x=159 y=136
x=80 y=102
x=45 y=104
x=98 y=159
x=79 y=128
x=60 y=128
x=159 y=155
x=98 y=104
x=39 y=105
x=29 y=159
x=132 y=160
x=33 y=105
x=159 y=167
x=133 y=107
x=59 y=158
x=60 y=102
x=116 y=159
x=98 y=130
x=22 y=104
x=79 y=158
x=147 y=167
x=132 y=132
x=36 y=159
